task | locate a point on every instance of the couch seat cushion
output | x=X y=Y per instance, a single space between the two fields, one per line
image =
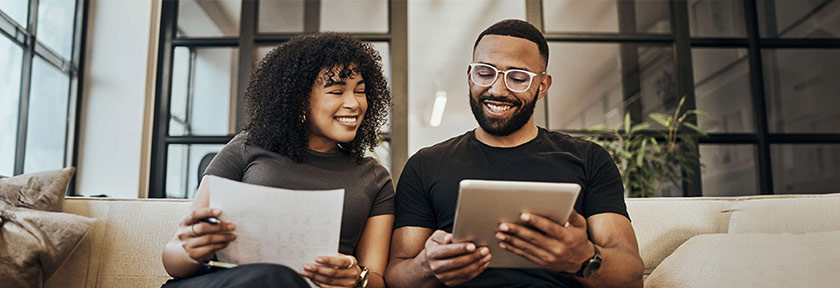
x=752 y=260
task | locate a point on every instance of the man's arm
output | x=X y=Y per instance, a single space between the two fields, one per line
x=565 y=247
x=621 y=264
x=422 y=257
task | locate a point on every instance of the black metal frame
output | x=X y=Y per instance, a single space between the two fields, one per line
x=27 y=39
x=248 y=39
x=683 y=43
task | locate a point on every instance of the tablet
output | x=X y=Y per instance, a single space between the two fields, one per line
x=484 y=204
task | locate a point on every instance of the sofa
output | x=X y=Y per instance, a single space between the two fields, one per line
x=123 y=247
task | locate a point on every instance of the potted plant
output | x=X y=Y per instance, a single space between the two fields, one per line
x=647 y=157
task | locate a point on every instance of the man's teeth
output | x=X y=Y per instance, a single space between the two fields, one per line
x=346 y=119
x=498 y=108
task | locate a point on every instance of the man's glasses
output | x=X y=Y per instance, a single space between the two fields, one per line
x=516 y=80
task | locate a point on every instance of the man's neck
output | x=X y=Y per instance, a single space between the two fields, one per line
x=521 y=136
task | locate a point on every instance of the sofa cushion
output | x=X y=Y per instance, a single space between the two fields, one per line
x=752 y=260
x=785 y=214
x=41 y=191
x=33 y=243
x=662 y=224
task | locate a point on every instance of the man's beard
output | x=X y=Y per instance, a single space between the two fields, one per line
x=502 y=126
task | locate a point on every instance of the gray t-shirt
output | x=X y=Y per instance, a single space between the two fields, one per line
x=368 y=189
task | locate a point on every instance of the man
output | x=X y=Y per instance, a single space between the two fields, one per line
x=506 y=79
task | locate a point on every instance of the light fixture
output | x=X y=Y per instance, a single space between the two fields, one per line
x=437 y=109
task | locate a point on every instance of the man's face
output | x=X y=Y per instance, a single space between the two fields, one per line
x=498 y=110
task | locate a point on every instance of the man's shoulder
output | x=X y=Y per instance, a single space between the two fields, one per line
x=569 y=143
x=447 y=146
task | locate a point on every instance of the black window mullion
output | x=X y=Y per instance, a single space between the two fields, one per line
x=765 y=173
x=247 y=32
x=163 y=91
x=685 y=82
x=25 y=87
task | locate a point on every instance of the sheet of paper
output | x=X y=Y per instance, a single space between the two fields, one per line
x=273 y=225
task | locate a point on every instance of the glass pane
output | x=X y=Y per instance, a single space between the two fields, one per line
x=209 y=18
x=261 y=52
x=17 y=9
x=11 y=56
x=730 y=170
x=354 y=16
x=55 y=25
x=280 y=16
x=799 y=19
x=47 y=125
x=716 y=18
x=805 y=169
x=384 y=50
x=182 y=167
x=624 y=17
x=801 y=89
x=598 y=83
x=722 y=90
x=204 y=91
x=382 y=153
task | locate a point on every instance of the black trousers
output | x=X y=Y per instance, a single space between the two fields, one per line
x=251 y=275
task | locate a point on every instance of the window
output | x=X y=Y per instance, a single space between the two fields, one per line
x=208 y=49
x=39 y=84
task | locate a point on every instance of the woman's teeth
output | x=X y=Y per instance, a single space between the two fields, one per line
x=346 y=119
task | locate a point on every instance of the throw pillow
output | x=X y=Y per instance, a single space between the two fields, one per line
x=34 y=243
x=42 y=191
x=752 y=260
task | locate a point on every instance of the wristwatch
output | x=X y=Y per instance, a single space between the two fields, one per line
x=591 y=265
x=363 y=278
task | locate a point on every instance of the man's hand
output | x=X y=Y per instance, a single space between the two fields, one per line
x=453 y=264
x=553 y=246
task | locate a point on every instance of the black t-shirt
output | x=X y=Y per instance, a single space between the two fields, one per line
x=427 y=192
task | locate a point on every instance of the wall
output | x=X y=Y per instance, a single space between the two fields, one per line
x=114 y=100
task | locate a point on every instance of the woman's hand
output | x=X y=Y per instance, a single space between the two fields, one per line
x=200 y=239
x=333 y=271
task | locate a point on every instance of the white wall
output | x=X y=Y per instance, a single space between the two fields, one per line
x=115 y=77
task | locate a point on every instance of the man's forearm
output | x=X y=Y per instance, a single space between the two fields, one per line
x=411 y=272
x=619 y=268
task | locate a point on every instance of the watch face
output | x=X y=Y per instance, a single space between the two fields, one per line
x=591 y=268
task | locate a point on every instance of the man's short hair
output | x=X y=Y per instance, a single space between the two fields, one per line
x=520 y=29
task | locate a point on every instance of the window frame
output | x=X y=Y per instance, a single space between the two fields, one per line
x=682 y=43
x=27 y=39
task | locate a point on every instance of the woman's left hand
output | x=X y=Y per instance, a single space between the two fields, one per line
x=333 y=271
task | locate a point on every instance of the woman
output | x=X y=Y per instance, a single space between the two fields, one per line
x=315 y=104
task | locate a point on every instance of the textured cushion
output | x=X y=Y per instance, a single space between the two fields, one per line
x=34 y=243
x=124 y=247
x=662 y=224
x=42 y=191
x=752 y=260
x=786 y=214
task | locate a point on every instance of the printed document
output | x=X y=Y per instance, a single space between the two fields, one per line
x=288 y=227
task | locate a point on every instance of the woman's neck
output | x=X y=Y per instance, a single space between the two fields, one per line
x=319 y=144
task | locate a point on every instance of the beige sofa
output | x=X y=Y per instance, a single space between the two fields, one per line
x=124 y=246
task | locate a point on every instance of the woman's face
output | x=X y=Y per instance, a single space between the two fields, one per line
x=336 y=109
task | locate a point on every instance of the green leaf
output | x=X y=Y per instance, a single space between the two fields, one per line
x=627 y=122
x=660 y=118
x=695 y=128
x=639 y=127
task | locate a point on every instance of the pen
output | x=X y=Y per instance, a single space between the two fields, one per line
x=220 y=264
x=210 y=220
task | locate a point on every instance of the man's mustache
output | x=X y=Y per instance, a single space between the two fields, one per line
x=514 y=102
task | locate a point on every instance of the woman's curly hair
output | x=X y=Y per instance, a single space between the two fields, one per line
x=278 y=93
